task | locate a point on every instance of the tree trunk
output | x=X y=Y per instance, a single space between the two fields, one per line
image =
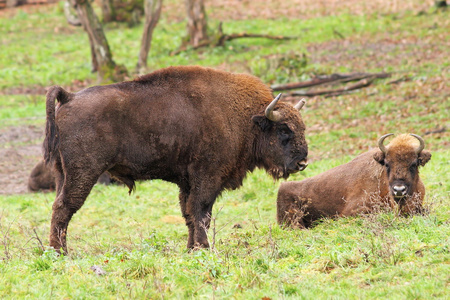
x=109 y=13
x=152 y=12
x=197 y=23
x=101 y=54
x=12 y=3
x=440 y=3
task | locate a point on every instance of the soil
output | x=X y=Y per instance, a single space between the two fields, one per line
x=21 y=149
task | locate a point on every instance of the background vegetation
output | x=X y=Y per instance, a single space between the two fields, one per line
x=139 y=240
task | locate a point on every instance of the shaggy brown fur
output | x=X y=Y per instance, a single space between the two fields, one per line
x=359 y=186
x=199 y=128
x=42 y=178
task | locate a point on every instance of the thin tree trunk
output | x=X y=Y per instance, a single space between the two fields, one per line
x=152 y=13
x=101 y=54
x=93 y=56
x=12 y=3
x=197 y=22
x=109 y=13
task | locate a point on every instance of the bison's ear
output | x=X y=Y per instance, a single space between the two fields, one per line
x=379 y=157
x=264 y=123
x=424 y=157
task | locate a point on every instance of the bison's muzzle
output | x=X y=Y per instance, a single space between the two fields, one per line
x=302 y=165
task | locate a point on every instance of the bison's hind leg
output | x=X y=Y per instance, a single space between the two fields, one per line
x=197 y=209
x=73 y=187
x=184 y=195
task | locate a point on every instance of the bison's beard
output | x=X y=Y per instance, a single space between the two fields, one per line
x=277 y=172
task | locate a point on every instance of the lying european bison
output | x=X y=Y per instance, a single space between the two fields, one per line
x=378 y=177
x=42 y=178
x=200 y=128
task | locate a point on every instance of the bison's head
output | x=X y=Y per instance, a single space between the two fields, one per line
x=281 y=146
x=402 y=158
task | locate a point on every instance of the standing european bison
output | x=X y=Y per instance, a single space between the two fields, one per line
x=375 y=178
x=197 y=127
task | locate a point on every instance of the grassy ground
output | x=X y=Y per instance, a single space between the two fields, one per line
x=139 y=240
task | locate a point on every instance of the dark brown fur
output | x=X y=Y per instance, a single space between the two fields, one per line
x=359 y=186
x=197 y=127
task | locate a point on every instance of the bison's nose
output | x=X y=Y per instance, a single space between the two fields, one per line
x=302 y=164
x=399 y=190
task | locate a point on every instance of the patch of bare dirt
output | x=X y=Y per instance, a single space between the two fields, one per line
x=20 y=150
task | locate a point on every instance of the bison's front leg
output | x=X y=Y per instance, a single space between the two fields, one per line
x=202 y=221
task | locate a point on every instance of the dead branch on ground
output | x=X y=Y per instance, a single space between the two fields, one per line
x=335 y=92
x=437 y=130
x=219 y=39
x=330 y=79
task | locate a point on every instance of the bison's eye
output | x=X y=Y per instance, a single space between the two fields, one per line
x=413 y=167
x=285 y=135
x=388 y=167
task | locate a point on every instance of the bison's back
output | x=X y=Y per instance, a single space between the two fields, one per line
x=342 y=190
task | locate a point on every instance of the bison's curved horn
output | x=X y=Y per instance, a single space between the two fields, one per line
x=422 y=142
x=381 y=141
x=270 y=113
x=300 y=104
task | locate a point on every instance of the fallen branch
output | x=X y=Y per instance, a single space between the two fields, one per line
x=336 y=92
x=333 y=78
x=219 y=39
x=439 y=130
x=228 y=37
x=402 y=79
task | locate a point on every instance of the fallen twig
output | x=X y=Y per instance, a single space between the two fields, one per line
x=338 y=34
x=39 y=240
x=402 y=79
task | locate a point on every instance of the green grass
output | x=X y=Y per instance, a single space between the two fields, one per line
x=139 y=240
x=23 y=109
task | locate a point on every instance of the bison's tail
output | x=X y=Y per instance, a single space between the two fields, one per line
x=51 y=141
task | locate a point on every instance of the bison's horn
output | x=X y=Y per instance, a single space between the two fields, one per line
x=273 y=115
x=300 y=104
x=381 y=141
x=422 y=142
